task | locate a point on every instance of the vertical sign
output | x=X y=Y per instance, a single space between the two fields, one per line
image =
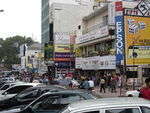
x=119 y=33
x=111 y=13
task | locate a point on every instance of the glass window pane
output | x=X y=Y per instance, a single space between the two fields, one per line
x=125 y=110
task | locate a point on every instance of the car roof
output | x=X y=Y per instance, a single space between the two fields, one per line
x=107 y=102
x=67 y=91
x=45 y=87
x=26 y=84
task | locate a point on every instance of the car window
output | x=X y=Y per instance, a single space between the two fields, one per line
x=66 y=99
x=145 y=110
x=125 y=110
x=28 y=92
x=17 y=89
x=47 y=103
x=27 y=95
x=4 y=87
x=90 y=112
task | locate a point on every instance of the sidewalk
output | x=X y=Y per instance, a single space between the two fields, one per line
x=108 y=93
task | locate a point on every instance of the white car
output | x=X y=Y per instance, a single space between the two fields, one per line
x=15 y=89
x=7 y=85
x=133 y=93
x=110 y=105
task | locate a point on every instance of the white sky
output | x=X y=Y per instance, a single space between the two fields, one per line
x=22 y=17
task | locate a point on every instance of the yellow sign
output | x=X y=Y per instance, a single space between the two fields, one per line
x=62 y=48
x=137 y=40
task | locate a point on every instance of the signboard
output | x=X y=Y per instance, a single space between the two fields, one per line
x=97 y=63
x=64 y=55
x=62 y=48
x=61 y=38
x=119 y=33
x=137 y=38
x=94 y=34
x=78 y=63
x=111 y=13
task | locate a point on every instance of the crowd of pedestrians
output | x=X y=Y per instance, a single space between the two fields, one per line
x=108 y=81
x=105 y=83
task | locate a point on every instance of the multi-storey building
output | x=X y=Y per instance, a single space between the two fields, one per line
x=96 y=47
x=63 y=21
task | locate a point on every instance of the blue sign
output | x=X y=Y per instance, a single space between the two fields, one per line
x=119 y=39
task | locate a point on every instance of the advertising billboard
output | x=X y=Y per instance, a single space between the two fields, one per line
x=119 y=33
x=137 y=38
x=62 y=48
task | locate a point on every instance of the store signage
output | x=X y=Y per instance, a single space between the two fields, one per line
x=62 y=48
x=95 y=34
x=64 y=55
x=111 y=13
x=78 y=63
x=119 y=33
x=142 y=9
x=96 y=63
x=137 y=38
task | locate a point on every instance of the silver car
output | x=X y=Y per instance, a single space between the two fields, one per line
x=110 y=105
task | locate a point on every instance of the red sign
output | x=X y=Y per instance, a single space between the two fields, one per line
x=118 y=6
x=63 y=59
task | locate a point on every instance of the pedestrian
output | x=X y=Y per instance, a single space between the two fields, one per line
x=91 y=84
x=145 y=91
x=102 y=84
x=109 y=82
x=85 y=84
x=113 y=84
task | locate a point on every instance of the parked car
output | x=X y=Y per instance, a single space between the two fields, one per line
x=7 y=85
x=52 y=102
x=27 y=96
x=132 y=93
x=109 y=105
x=14 y=90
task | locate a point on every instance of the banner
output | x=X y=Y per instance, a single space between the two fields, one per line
x=96 y=63
x=62 y=48
x=137 y=38
x=64 y=55
x=119 y=33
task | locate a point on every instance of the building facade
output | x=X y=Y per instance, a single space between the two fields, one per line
x=96 y=47
x=64 y=20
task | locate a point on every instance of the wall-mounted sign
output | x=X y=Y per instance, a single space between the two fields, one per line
x=96 y=63
x=62 y=48
x=119 y=33
x=95 y=34
x=137 y=38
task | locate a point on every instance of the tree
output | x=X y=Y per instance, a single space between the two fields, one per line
x=9 y=49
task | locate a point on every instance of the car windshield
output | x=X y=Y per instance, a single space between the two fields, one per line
x=27 y=93
x=4 y=87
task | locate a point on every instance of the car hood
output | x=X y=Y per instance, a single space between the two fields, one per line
x=15 y=110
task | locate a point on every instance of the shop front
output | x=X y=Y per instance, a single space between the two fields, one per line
x=96 y=65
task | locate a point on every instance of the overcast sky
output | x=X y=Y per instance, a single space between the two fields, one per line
x=22 y=17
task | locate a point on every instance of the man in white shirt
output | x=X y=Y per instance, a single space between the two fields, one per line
x=91 y=84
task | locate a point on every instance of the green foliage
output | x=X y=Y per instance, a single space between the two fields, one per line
x=9 y=49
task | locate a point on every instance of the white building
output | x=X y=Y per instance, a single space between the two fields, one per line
x=30 y=56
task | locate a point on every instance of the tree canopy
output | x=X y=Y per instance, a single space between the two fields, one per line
x=9 y=49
